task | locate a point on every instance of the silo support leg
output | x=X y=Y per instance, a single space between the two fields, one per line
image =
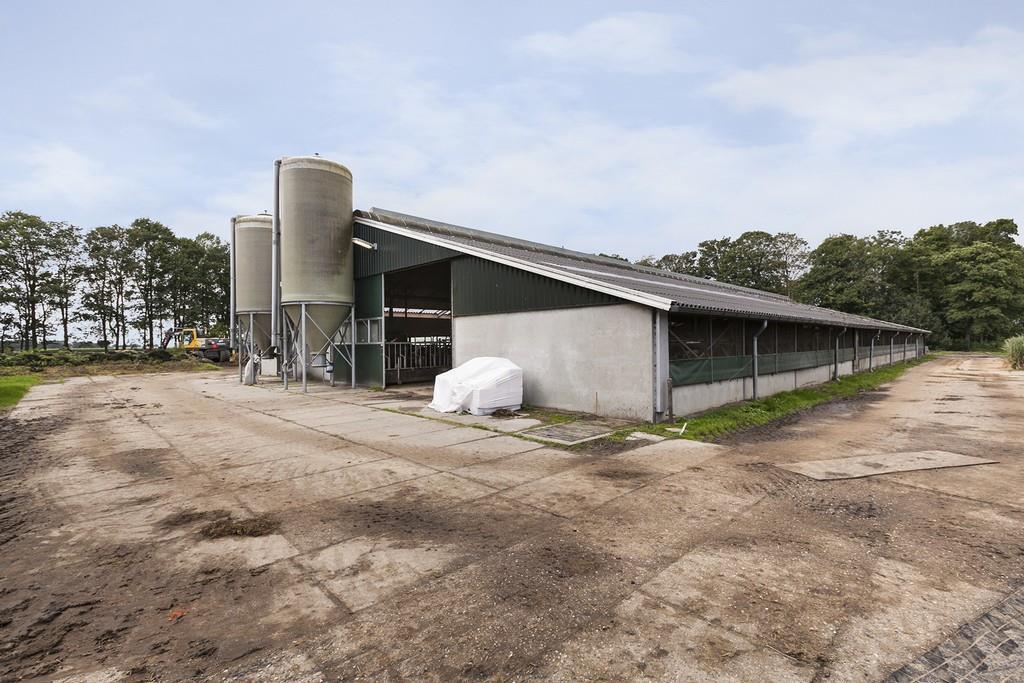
x=302 y=349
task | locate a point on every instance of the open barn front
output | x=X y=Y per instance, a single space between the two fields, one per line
x=417 y=323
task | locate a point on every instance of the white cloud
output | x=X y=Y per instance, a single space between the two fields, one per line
x=632 y=42
x=247 y=192
x=55 y=174
x=567 y=176
x=887 y=92
x=499 y=160
x=142 y=100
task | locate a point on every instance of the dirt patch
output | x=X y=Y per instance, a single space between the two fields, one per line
x=621 y=473
x=868 y=509
x=601 y=447
x=262 y=525
x=141 y=462
x=502 y=615
x=190 y=517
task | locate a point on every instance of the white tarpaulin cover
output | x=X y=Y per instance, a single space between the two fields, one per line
x=479 y=386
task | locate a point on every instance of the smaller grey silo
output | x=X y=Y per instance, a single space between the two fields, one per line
x=253 y=287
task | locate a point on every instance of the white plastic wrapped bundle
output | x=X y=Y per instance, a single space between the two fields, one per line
x=479 y=386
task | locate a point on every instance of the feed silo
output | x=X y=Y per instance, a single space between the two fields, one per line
x=251 y=243
x=316 y=269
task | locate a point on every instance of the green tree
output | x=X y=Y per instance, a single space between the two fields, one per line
x=685 y=262
x=984 y=299
x=151 y=244
x=199 y=283
x=108 y=293
x=26 y=244
x=841 y=276
x=65 y=274
x=96 y=305
x=215 y=274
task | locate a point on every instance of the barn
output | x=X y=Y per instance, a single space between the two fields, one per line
x=592 y=333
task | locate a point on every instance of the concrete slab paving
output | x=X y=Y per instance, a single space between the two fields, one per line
x=362 y=571
x=459 y=553
x=334 y=484
x=651 y=640
x=445 y=437
x=504 y=472
x=295 y=466
x=672 y=455
x=398 y=508
x=574 y=491
x=881 y=463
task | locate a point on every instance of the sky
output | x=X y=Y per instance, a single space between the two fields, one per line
x=630 y=128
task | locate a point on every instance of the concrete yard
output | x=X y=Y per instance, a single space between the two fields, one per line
x=183 y=527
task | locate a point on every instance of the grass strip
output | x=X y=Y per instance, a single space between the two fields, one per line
x=13 y=387
x=715 y=423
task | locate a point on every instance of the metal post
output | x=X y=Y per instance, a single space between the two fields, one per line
x=764 y=325
x=252 y=347
x=352 y=342
x=334 y=360
x=892 y=338
x=871 y=358
x=282 y=356
x=302 y=347
x=855 y=350
x=276 y=321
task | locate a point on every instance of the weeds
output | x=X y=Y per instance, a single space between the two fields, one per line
x=1014 y=348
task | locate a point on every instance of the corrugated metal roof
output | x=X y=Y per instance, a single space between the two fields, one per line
x=651 y=286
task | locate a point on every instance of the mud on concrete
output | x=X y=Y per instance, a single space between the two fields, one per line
x=341 y=558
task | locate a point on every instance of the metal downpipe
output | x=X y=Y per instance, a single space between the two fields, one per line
x=233 y=340
x=835 y=365
x=764 y=326
x=275 y=272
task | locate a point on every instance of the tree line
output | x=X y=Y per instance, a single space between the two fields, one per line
x=964 y=281
x=107 y=282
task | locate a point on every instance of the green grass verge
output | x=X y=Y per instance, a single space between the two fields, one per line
x=720 y=421
x=12 y=388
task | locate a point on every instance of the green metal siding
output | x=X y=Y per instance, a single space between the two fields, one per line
x=480 y=286
x=369 y=297
x=393 y=252
x=370 y=365
x=369 y=356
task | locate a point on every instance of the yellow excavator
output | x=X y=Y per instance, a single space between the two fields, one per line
x=216 y=349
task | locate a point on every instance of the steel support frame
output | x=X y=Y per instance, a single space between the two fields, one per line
x=247 y=343
x=294 y=347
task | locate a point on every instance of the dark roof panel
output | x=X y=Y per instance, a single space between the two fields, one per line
x=665 y=289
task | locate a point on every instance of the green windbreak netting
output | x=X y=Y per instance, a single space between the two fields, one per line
x=701 y=370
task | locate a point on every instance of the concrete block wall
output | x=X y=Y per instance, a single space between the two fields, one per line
x=695 y=398
x=595 y=359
